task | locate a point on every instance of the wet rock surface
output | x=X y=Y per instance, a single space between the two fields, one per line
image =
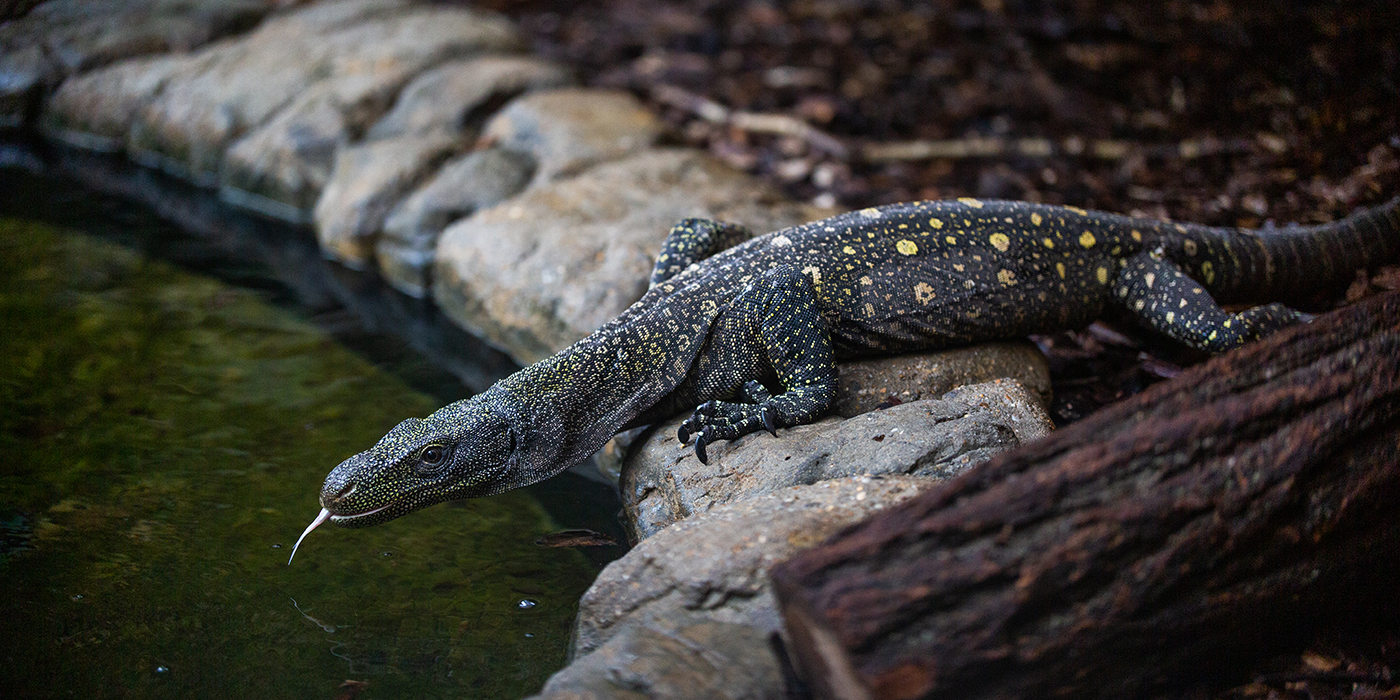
x=662 y=481
x=538 y=272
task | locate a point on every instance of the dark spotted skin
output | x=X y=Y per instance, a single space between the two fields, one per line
x=749 y=332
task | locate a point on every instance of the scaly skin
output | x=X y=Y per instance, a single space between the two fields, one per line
x=750 y=333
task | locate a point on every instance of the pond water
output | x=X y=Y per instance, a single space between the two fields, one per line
x=162 y=441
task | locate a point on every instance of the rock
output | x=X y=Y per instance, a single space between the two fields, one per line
x=571 y=129
x=450 y=96
x=1011 y=404
x=868 y=384
x=62 y=37
x=95 y=110
x=684 y=656
x=663 y=482
x=538 y=272
x=653 y=617
x=281 y=167
x=200 y=112
x=366 y=184
x=465 y=184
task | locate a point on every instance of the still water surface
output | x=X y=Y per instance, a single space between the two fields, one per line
x=162 y=439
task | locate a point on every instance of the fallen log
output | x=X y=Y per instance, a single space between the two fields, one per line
x=1207 y=522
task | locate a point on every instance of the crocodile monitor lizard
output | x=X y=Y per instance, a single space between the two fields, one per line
x=749 y=330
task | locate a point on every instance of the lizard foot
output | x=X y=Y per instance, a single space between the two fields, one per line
x=724 y=420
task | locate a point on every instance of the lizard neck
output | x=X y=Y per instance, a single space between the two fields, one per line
x=572 y=403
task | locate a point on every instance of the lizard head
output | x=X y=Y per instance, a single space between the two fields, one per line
x=463 y=450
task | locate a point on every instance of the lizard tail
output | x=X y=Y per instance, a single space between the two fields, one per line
x=1288 y=263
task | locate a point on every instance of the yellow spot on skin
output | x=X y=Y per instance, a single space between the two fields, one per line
x=906 y=247
x=869 y=309
x=923 y=292
x=1000 y=241
x=1035 y=219
x=1189 y=246
x=870 y=212
x=1137 y=235
x=903 y=226
x=866 y=280
x=969 y=284
x=959 y=267
x=848 y=250
x=1078 y=211
x=1211 y=336
x=1087 y=239
x=1138 y=305
x=1060 y=268
x=951 y=240
x=815 y=273
x=1149 y=278
x=970 y=202
x=1102 y=274
x=1006 y=277
x=935 y=222
x=781 y=241
x=1049 y=243
x=1171 y=317
x=1208 y=271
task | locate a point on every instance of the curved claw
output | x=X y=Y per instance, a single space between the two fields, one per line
x=682 y=434
x=700 y=441
x=767 y=413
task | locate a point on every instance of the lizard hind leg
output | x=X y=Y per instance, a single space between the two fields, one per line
x=1160 y=295
x=691 y=241
x=786 y=331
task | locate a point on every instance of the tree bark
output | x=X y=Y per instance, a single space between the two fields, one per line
x=1205 y=523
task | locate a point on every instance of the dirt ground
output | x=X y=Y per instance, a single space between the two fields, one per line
x=1225 y=112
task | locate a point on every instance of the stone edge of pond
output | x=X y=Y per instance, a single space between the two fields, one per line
x=423 y=142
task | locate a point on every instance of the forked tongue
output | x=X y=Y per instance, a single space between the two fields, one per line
x=319 y=519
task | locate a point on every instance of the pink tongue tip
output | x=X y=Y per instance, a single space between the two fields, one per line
x=319 y=519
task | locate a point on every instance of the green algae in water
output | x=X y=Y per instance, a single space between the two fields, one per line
x=162 y=442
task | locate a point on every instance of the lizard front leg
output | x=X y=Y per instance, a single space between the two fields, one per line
x=691 y=241
x=1160 y=295
x=786 y=327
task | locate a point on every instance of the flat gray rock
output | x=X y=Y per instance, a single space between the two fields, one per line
x=662 y=482
x=452 y=95
x=688 y=613
x=571 y=129
x=405 y=250
x=61 y=37
x=540 y=271
x=200 y=112
x=367 y=182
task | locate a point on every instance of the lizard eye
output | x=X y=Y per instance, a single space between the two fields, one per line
x=433 y=455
